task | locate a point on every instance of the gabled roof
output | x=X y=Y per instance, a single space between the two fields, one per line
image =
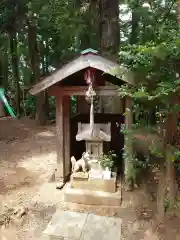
x=87 y=59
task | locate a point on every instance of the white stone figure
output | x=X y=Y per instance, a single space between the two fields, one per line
x=83 y=163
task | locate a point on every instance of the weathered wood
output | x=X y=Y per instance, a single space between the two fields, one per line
x=81 y=90
x=60 y=169
x=66 y=133
x=80 y=63
x=128 y=138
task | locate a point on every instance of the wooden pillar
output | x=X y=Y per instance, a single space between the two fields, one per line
x=63 y=139
x=128 y=140
x=66 y=128
x=60 y=166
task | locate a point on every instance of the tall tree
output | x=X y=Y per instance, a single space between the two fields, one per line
x=109 y=26
x=15 y=67
x=110 y=43
x=178 y=11
x=35 y=66
x=135 y=22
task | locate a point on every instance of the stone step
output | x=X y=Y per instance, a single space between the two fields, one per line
x=69 y=225
x=89 y=197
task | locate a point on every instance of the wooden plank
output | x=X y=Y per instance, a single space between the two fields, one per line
x=81 y=90
x=66 y=133
x=60 y=169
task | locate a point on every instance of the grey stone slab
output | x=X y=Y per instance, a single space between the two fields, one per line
x=66 y=225
x=99 y=227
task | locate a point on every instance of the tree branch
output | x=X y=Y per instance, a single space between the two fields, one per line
x=168 y=11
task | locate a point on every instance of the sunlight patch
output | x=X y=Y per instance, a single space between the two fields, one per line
x=39 y=161
x=46 y=134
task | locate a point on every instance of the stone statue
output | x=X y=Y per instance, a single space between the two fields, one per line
x=82 y=164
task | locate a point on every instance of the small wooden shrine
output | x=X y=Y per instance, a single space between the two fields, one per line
x=88 y=72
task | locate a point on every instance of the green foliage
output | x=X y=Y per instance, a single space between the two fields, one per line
x=108 y=160
x=156 y=68
x=30 y=104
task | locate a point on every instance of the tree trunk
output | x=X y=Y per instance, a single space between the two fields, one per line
x=109 y=26
x=89 y=37
x=15 y=69
x=167 y=179
x=171 y=129
x=161 y=192
x=171 y=178
x=110 y=42
x=135 y=23
x=178 y=11
x=45 y=72
x=35 y=65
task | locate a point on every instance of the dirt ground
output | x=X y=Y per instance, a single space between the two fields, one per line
x=27 y=158
x=27 y=161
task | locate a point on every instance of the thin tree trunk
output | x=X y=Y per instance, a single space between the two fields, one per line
x=45 y=71
x=171 y=129
x=171 y=178
x=15 y=69
x=5 y=71
x=178 y=11
x=135 y=23
x=161 y=192
x=35 y=65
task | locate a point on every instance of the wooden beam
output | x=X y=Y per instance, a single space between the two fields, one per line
x=81 y=90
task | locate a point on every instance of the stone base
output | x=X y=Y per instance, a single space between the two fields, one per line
x=105 y=185
x=89 y=197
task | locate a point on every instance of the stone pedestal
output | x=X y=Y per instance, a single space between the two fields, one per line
x=94 y=184
x=86 y=190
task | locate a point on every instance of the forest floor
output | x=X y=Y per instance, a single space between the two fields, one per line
x=27 y=162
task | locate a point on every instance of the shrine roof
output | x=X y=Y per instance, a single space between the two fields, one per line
x=88 y=58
